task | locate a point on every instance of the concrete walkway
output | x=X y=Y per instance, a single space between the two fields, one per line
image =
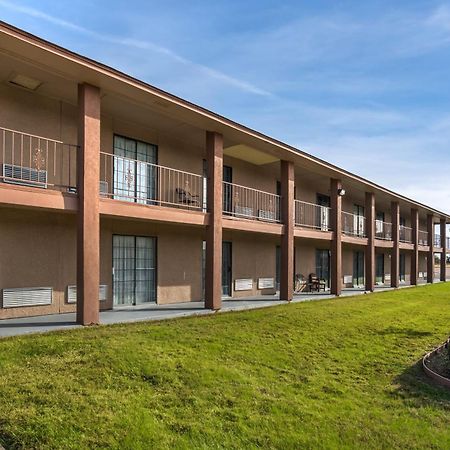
x=39 y=324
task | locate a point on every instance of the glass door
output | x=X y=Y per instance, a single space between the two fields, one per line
x=323 y=265
x=227 y=189
x=226 y=269
x=358 y=212
x=379 y=268
x=402 y=268
x=323 y=215
x=135 y=175
x=358 y=269
x=134 y=270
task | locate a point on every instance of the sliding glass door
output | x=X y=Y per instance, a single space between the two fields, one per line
x=134 y=270
x=135 y=180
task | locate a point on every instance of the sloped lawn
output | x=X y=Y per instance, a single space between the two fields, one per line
x=338 y=374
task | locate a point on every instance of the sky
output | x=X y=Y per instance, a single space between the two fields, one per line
x=363 y=85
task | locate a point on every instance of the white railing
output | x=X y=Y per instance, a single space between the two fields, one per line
x=437 y=240
x=447 y=240
x=353 y=225
x=249 y=203
x=423 y=237
x=36 y=161
x=311 y=215
x=405 y=234
x=383 y=230
x=141 y=182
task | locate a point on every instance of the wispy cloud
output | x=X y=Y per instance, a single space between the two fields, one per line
x=141 y=45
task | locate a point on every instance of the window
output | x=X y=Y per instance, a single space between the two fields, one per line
x=134 y=270
x=135 y=173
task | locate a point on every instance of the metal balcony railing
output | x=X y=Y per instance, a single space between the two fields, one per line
x=312 y=216
x=248 y=203
x=423 y=237
x=353 y=225
x=437 y=240
x=36 y=161
x=405 y=234
x=383 y=230
x=145 y=183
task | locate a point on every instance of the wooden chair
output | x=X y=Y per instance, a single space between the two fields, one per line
x=299 y=283
x=315 y=284
x=187 y=198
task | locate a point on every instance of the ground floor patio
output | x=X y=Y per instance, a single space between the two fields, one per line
x=153 y=311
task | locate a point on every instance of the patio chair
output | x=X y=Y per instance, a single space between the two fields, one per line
x=315 y=283
x=187 y=198
x=299 y=283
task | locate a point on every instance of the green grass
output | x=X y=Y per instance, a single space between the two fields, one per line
x=339 y=373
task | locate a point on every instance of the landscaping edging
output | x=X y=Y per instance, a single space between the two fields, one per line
x=443 y=381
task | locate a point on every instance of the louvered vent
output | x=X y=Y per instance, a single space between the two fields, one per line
x=14 y=298
x=24 y=175
x=72 y=293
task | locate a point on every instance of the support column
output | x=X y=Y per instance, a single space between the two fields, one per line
x=430 y=254
x=415 y=241
x=287 y=238
x=370 y=250
x=213 y=269
x=444 y=249
x=88 y=231
x=336 y=244
x=395 y=256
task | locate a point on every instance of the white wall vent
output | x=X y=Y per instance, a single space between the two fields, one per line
x=72 y=293
x=27 y=176
x=15 y=298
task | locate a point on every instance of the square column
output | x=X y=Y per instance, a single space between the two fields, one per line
x=443 y=226
x=88 y=219
x=287 y=238
x=415 y=241
x=213 y=269
x=395 y=257
x=370 y=232
x=336 y=243
x=430 y=254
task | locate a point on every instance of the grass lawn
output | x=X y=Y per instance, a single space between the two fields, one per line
x=339 y=373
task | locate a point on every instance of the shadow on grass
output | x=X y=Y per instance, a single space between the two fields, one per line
x=406 y=332
x=416 y=388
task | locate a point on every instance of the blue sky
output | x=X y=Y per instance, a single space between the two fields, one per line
x=364 y=85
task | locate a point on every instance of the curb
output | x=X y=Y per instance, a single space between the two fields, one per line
x=443 y=381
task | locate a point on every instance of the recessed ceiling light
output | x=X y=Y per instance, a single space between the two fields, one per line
x=25 y=82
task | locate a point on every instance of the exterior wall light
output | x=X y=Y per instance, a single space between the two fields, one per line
x=341 y=192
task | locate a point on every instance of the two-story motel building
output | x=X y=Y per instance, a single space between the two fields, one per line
x=113 y=193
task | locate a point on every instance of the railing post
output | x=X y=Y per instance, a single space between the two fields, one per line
x=287 y=238
x=88 y=231
x=213 y=269
x=395 y=256
x=336 y=243
x=415 y=242
x=443 y=225
x=430 y=255
x=370 y=232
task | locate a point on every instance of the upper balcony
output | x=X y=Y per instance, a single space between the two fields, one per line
x=36 y=161
x=405 y=234
x=383 y=230
x=310 y=215
x=353 y=224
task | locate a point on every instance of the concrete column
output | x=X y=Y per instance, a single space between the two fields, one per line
x=430 y=254
x=88 y=232
x=213 y=269
x=415 y=241
x=395 y=256
x=287 y=238
x=370 y=232
x=443 y=225
x=336 y=244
